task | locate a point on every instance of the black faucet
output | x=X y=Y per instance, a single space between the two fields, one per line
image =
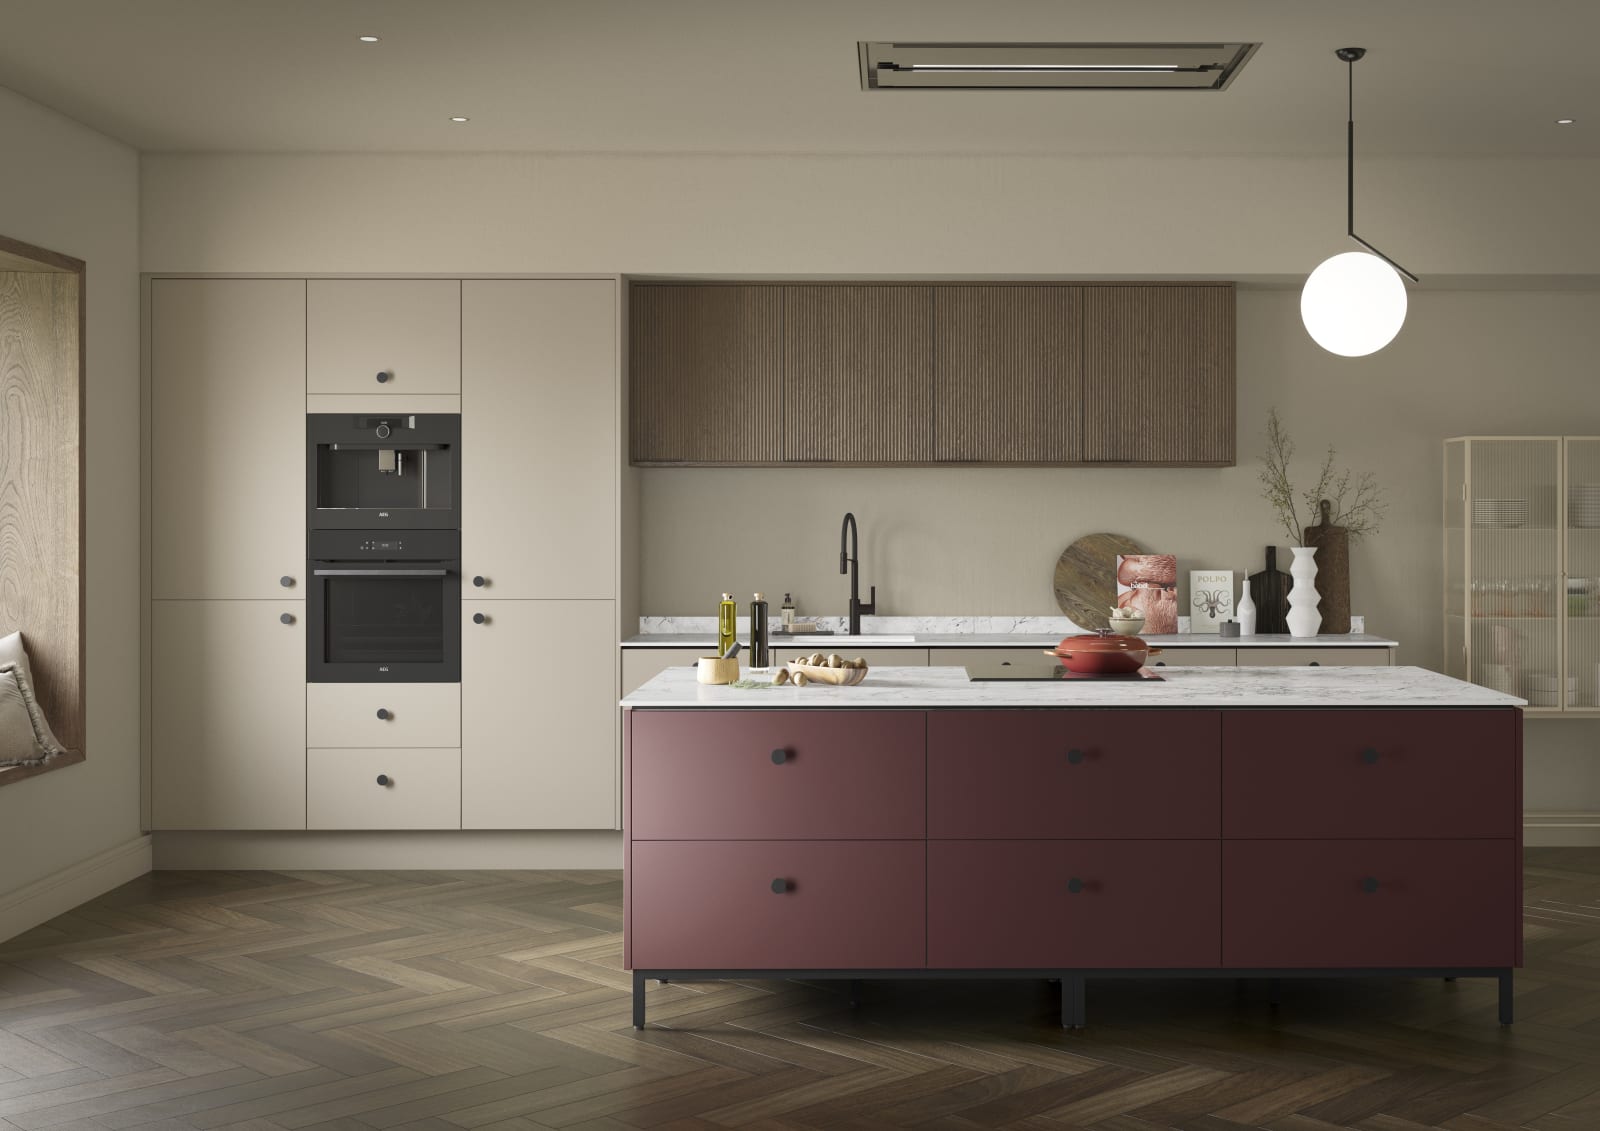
x=849 y=551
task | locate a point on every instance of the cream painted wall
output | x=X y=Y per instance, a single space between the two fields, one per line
x=62 y=834
x=977 y=541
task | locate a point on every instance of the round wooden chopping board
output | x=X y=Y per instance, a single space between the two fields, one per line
x=1086 y=578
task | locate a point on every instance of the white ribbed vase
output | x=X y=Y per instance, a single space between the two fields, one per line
x=1304 y=619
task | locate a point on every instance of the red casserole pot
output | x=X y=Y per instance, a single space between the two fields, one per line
x=1104 y=653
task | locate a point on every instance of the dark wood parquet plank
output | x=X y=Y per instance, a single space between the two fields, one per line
x=356 y=1001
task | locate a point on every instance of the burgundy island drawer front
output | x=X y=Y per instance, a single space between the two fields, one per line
x=769 y=775
x=1081 y=773
x=1373 y=903
x=1042 y=904
x=1352 y=773
x=767 y=905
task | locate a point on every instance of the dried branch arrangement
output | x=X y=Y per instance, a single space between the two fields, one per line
x=1356 y=501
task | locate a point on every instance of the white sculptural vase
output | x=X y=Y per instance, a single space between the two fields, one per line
x=1246 y=611
x=1304 y=619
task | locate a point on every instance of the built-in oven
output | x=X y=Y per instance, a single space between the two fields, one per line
x=383 y=470
x=384 y=606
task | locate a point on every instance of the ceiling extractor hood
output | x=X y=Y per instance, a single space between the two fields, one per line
x=1051 y=66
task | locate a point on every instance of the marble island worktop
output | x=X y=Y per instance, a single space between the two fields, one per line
x=1353 y=687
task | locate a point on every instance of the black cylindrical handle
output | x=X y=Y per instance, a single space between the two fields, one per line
x=1314 y=664
x=779 y=757
x=1369 y=885
x=1074 y=885
x=1369 y=756
x=479 y=581
x=1075 y=756
x=478 y=618
x=780 y=886
x=383 y=713
x=383 y=779
x=383 y=376
x=286 y=581
x=286 y=618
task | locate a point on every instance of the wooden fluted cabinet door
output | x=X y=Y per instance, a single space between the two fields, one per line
x=705 y=376
x=228 y=438
x=1159 y=374
x=1007 y=374
x=538 y=436
x=858 y=374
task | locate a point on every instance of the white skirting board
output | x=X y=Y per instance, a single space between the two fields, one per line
x=44 y=899
x=1551 y=829
x=410 y=851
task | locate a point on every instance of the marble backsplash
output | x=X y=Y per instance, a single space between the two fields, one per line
x=879 y=626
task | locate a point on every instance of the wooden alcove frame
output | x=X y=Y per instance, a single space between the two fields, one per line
x=68 y=721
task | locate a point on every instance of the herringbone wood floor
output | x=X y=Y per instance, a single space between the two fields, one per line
x=447 y=1000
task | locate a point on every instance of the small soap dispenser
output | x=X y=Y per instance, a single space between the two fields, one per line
x=787 y=613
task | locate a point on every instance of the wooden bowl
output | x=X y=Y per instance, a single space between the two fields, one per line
x=838 y=677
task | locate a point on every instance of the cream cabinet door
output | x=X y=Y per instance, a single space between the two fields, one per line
x=641 y=665
x=538 y=715
x=539 y=438
x=382 y=337
x=1345 y=657
x=228 y=715
x=228 y=438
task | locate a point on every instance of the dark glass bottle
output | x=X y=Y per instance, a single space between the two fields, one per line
x=760 y=639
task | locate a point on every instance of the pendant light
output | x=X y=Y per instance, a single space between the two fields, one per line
x=1354 y=303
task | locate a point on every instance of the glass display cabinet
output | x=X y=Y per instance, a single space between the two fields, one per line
x=1522 y=568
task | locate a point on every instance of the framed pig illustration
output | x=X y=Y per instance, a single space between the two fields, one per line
x=1149 y=583
x=1210 y=598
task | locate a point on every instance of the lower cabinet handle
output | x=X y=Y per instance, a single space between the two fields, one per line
x=383 y=713
x=779 y=757
x=1074 y=885
x=780 y=886
x=1075 y=756
x=479 y=581
x=1161 y=663
x=383 y=779
x=286 y=618
x=1314 y=664
x=1369 y=885
x=478 y=618
x=1369 y=756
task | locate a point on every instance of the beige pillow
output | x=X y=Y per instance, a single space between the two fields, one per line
x=24 y=739
x=13 y=651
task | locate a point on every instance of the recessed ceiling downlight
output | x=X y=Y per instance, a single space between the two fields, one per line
x=1050 y=66
x=460 y=119
x=1565 y=121
x=367 y=38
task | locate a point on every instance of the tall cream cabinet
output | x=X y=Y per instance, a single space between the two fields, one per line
x=228 y=496
x=539 y=421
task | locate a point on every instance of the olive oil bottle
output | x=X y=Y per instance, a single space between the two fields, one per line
x=727 y=624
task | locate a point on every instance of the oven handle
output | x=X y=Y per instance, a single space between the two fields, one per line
x=379 y=572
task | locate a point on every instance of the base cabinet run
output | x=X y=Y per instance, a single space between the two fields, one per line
x=1073 y=843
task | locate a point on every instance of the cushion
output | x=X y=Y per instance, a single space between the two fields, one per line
x=24 y=739
x=13 y=651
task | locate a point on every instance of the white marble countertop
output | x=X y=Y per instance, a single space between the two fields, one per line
x=1353 y=687
x=814 y=642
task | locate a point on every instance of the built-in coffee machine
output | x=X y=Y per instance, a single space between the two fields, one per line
x=384 y=541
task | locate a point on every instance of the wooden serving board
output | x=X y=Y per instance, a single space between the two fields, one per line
x=1086 y=578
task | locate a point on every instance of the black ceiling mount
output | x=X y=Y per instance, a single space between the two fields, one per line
x=1349 y=56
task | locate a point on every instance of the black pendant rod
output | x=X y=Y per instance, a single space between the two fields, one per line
x=1349 y=55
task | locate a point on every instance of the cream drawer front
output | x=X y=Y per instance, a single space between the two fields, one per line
x=383 y=714
x=1314 y=657
x=1212 y=657
x=383 y=789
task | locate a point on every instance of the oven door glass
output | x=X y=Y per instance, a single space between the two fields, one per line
x=393 y=619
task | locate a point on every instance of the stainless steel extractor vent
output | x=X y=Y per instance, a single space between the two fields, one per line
x=1051 y=66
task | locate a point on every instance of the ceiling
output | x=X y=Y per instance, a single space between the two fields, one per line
x=1442 y=77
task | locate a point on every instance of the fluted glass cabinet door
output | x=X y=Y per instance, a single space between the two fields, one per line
x=1455 y=559
x=1513 y=552
x=1582 y=588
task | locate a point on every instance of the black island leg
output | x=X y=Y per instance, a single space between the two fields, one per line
x=1505 y=997
x=1072 y=1002
x=638 y=1000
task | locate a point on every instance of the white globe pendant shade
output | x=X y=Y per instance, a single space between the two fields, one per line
x=1353 y=304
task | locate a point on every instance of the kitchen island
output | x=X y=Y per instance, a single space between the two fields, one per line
x=1223 y=821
